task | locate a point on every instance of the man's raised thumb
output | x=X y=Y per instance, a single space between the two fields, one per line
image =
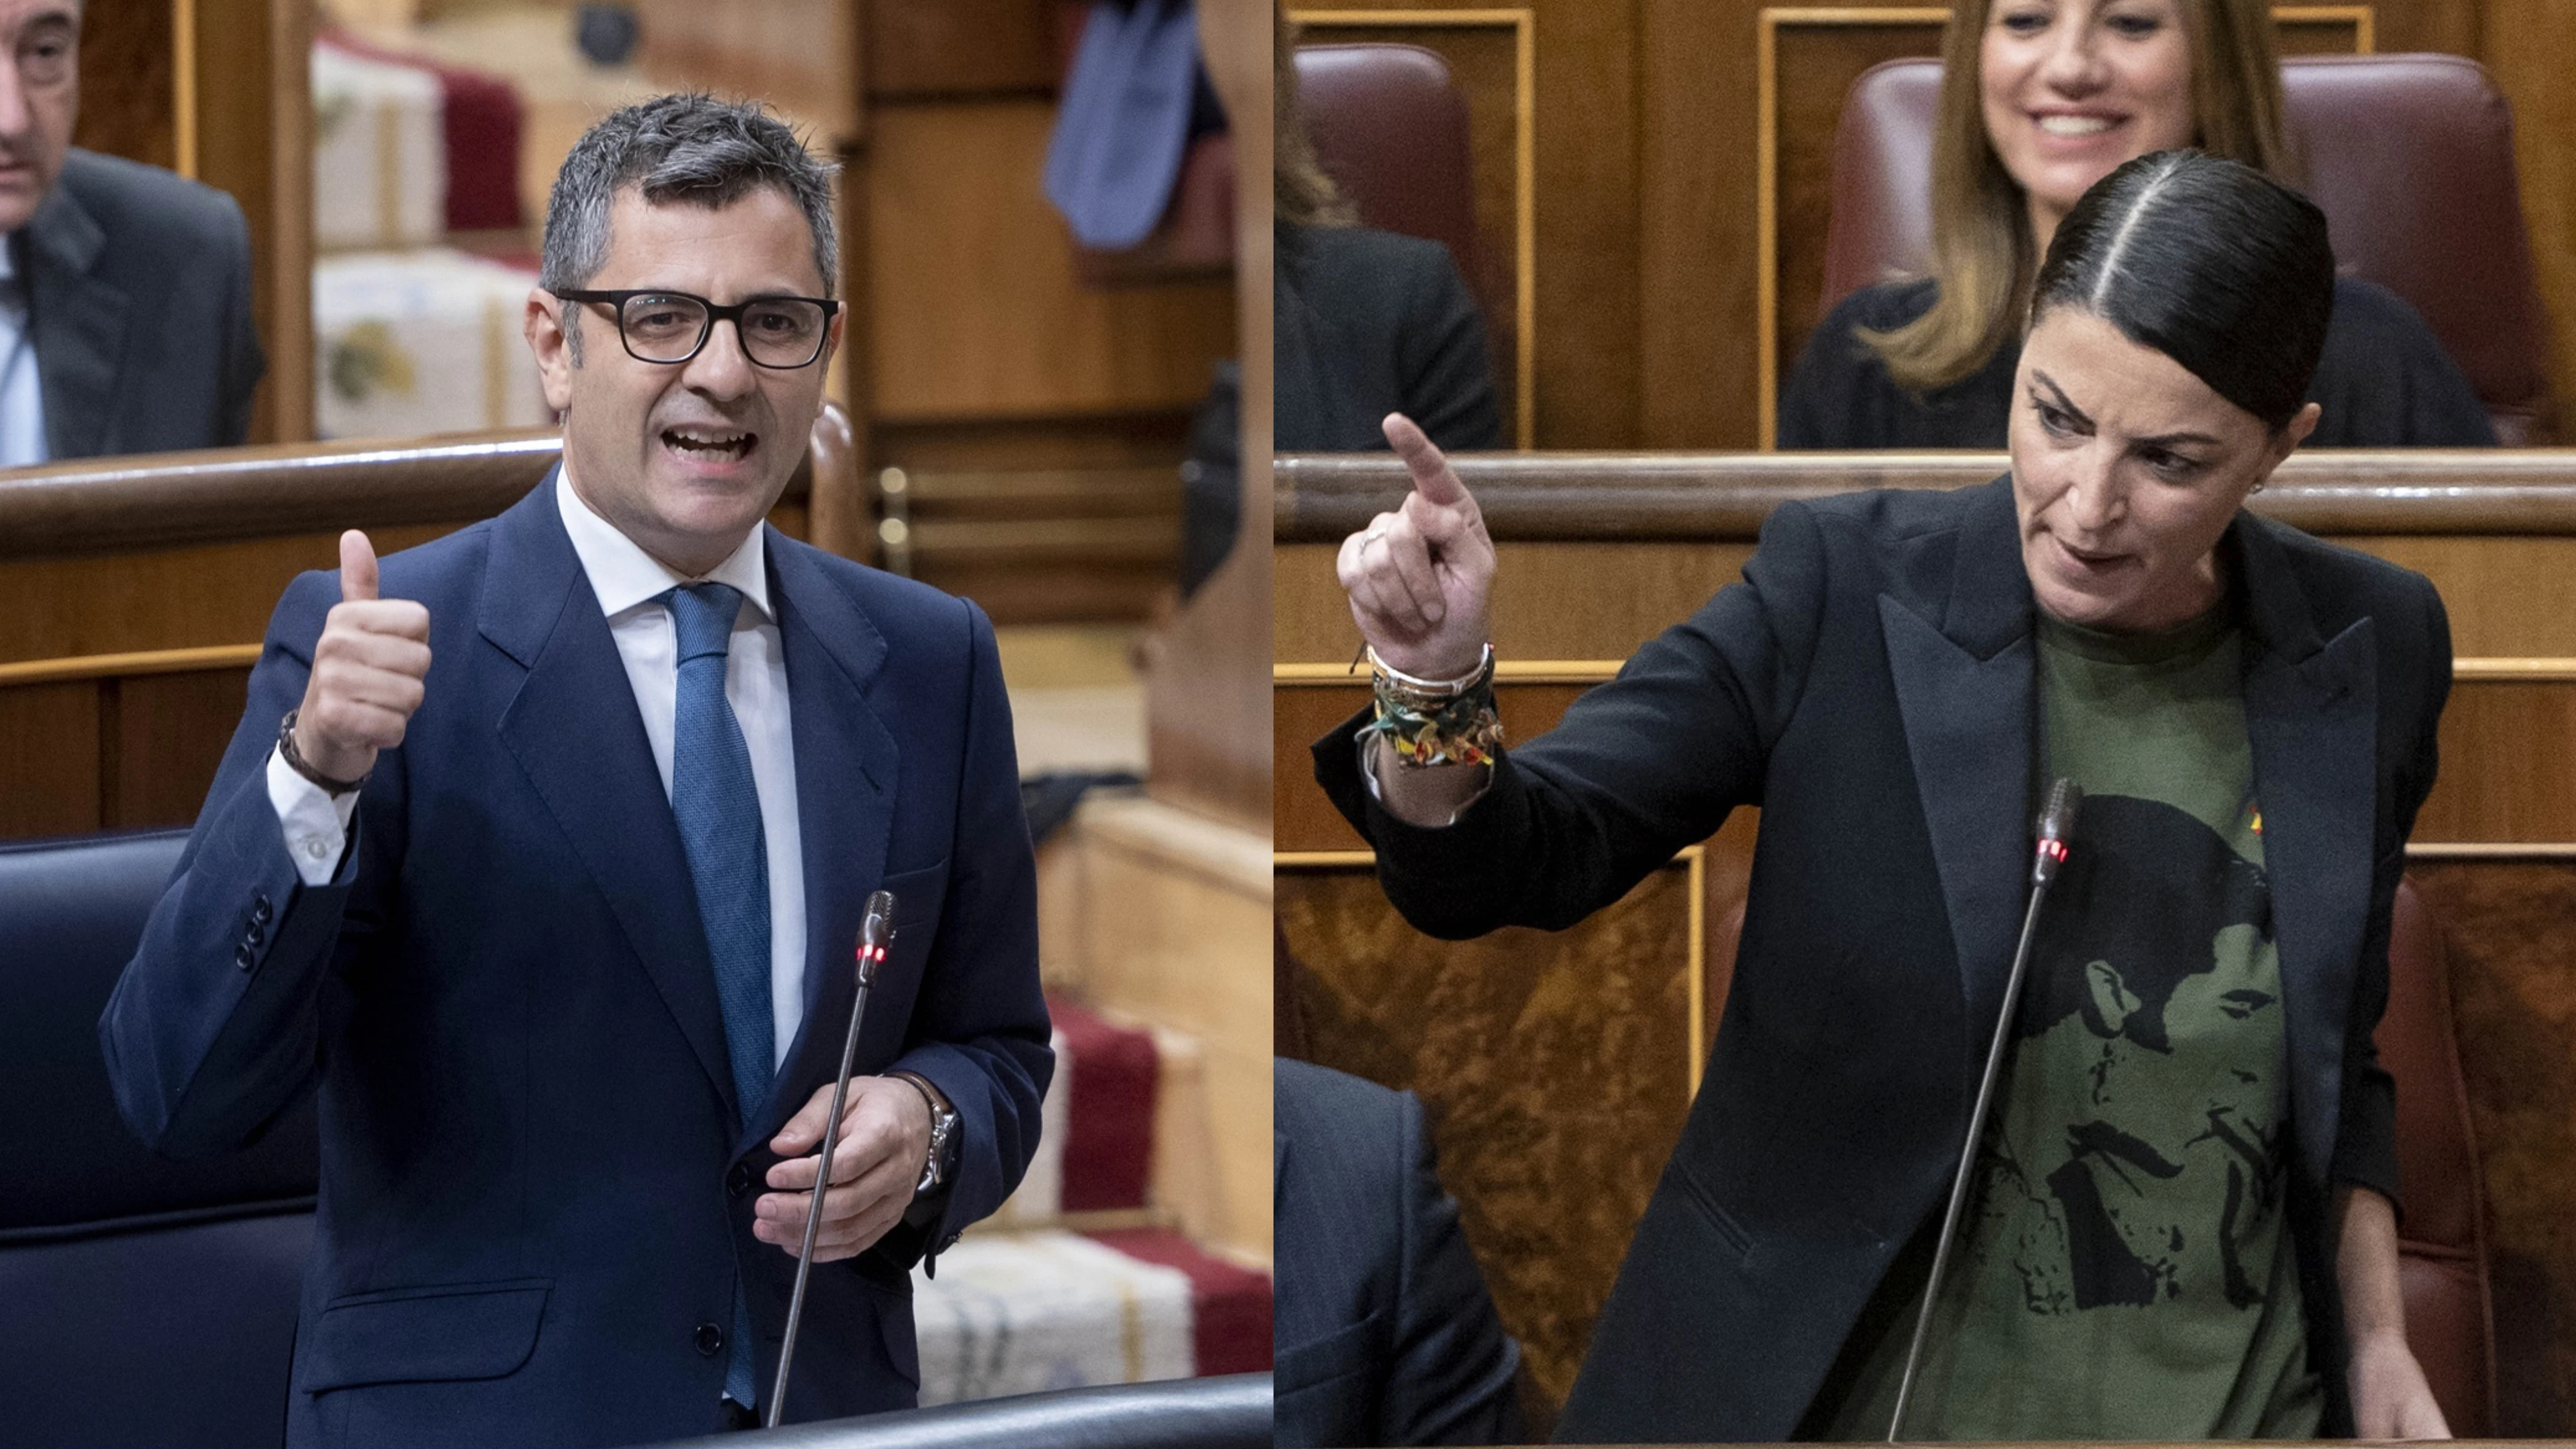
x=357 y=567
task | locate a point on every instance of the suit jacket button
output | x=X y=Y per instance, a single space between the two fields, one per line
x=254 y=933
x=260 y=910
x=710 y=1340
x=244 y=957
x=738 y=1181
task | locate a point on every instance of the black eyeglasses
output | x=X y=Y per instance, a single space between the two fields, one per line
x=670 y=327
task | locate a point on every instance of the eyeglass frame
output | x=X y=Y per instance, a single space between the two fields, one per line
x=617 y=300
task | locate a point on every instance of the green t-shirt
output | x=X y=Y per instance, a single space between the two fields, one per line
x=2124 y=1268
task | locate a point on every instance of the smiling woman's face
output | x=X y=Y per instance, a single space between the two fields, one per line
x=2072 y=88
x=2126 y=470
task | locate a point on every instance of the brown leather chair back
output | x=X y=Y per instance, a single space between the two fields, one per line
x=2442 y=1247
x=1390 y=127
x=2409 y=156
x=2442 y=1250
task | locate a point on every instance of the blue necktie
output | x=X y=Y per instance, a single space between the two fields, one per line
x=719 y=813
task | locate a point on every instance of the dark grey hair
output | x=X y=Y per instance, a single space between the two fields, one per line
x=688 y=148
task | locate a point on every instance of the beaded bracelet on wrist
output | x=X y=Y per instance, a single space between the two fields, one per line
x=1437 y=722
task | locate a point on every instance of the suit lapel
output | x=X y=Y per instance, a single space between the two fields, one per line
x=1964 y=690
x=2311 y=720
x=78 y=321
x=846 y=761
x=572 y=726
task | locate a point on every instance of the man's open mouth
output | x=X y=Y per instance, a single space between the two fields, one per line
x=712 y=444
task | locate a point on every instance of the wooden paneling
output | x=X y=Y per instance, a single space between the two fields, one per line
x=171 y=731
x=961 y=46
x=2508 y=762
x=127 y=95
x=799 y=55
x=1557 y=1068
x=977 y=309
x=2509 y=930
x=49 y=759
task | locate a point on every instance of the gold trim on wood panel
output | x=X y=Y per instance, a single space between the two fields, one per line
x=2437 y=851
x=1766 y=141
x=2364 y=21
x=121 y=666
x=2513 y=671
x=183 y=87
x=1693 y=858
x=1523 y=21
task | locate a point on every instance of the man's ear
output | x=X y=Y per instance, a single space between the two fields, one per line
x=544 y=326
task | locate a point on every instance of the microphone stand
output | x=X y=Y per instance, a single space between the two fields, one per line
x=2056 y=819
x=875 y=928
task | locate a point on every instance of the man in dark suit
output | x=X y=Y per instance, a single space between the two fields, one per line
x=125 y=312
x=1385 y=1333
x=561 y=922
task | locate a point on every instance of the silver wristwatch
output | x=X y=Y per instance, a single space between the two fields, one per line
x=943 y=1135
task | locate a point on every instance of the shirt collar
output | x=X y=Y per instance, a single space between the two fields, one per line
x=625 y=576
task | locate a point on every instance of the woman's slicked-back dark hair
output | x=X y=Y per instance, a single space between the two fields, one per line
x=2211 y=263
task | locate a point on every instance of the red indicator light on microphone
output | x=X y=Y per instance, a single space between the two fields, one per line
x=2053 y=849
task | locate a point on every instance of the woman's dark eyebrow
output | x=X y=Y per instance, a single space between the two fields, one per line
x=2161 y=440
x=2062 y=403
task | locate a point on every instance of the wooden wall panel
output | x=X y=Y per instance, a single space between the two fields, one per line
x=1546 y=1060
x=956 y=46
x=127 y=99
x=49 y=753
x=977 y=312
x=170 y=734
x=2509 y=930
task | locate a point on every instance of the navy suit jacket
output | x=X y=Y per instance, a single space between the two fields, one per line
x=1871 y=686
x=535 y=1201
x=139 y=298
x=1386 y=1334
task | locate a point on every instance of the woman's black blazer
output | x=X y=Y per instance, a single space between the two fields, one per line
x=1870 y=686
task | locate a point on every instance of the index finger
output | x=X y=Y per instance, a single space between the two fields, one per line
x=1433 y=478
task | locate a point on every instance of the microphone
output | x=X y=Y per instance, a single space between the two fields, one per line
x=876 y=929
x=2056 y=823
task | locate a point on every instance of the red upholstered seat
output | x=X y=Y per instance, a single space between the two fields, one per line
x=2410 y=157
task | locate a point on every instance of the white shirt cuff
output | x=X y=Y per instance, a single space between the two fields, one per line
x=315 y=820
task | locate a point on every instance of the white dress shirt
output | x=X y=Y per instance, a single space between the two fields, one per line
x=22 y=397
x=629 y=582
